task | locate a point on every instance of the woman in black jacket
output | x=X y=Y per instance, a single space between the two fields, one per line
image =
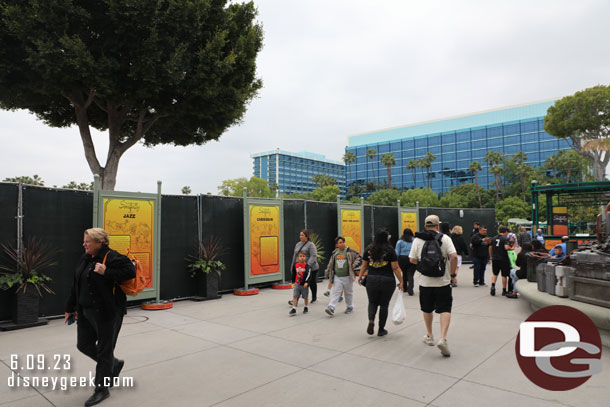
x=460 y=246
x=100 y=304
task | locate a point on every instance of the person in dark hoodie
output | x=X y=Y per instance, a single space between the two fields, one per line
x=460 y=246
x=100 y=304
x=435 y=292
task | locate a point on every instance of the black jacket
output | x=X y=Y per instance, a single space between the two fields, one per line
x=460 y=244
x=479 y=247
x=306 y=277
x=107 y=296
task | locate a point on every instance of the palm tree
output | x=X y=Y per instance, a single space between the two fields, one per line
x=371 y=154
x=348 y=158
x=494 y=159
x=523 y=169
x=551 y=162
x=427 y=163
x=475 y=167
x=388 y=160
x=413 y=164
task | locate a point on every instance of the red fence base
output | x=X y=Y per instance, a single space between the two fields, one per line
x=155 y=306
x=243 y=291
x=282 y=286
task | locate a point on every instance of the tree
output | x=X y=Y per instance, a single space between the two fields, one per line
x=385 y=197
x=178 y=72
x=475 y=167
x=326 y=194
x=426 y=163
x=83 y=186
x=494 y=159
x=26 y=179
x=371 y=153
x=323 y=180
x=425 y=196
x=467 y=196
x=388 y=160
x=186 y=190
x=583 y=120
x=551 y=162
x=512 y=207
x=257 y=187
x=349 y=158
x=298 y=195
x=355 y=189
x=520 y=170
x=571 y=163
x=413 y=165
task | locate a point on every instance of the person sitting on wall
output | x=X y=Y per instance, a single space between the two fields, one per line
x=558 y=252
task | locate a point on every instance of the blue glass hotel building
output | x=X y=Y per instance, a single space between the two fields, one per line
x=456 y=142
x=292 y=172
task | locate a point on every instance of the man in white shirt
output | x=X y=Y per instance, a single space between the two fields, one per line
x=435 y=292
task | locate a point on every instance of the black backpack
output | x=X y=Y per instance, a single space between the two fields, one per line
x=432 y=262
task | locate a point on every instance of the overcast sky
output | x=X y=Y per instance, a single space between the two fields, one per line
x=331 y=69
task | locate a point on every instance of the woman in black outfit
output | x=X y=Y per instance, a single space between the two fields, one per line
x=382 y=265
x=460 y=246
x=403 y=249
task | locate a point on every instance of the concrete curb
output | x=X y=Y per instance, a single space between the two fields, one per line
x=537 y=299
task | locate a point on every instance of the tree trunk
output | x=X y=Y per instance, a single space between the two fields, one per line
x=568 y=175
x=414 y=179
x=390 y=177
x=476 y=180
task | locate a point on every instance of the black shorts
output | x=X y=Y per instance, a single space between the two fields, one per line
x=498 y=266
x=437 y=299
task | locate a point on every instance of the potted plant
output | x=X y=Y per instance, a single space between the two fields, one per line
x=22 y=271
x=206 y=266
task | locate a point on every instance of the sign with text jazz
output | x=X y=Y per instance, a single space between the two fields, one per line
x=408 y=220
x=264 y=239
x=130 y=224
x=351 y=228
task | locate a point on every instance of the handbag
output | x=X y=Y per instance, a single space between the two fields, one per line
x=398 y=313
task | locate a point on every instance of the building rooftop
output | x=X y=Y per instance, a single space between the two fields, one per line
x=302 y=154
x=466 y=121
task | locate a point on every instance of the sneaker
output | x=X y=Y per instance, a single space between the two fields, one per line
x=290 y=302
x=382 y=332
x=292 y=312
x=305 y=310
x=314 y=300
x=492 y=291
x=348 y=310
x=482 y=285
x=504 y=293
x=410 y=293
x=428 y=340
x=444 y=347
x=327 y=293
x=475 y=284
x=329 y=311
x=370 y=329
x=340 y=299
x=512 y=295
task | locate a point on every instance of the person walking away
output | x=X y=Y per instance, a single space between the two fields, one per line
x=301 y=277
x=403 y=248
x=480 y=256
x=500 y=264
x=380 y=261
x=100 y=304
x=430 y=252
x=524 y=237
x=460 y=247
x=341 y=267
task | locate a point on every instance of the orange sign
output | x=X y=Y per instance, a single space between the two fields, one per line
x=264 y=239
x=130 y=224
x=351 y=226
x=408 y=220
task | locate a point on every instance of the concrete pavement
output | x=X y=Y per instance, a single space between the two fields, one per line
x=247 y=351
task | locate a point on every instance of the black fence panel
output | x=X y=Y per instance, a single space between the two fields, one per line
x=178 y=241
x=58 y=217
x=8 y=235
x=223 y=217
x=322 y=219
x=294 y=222
x=386 y=217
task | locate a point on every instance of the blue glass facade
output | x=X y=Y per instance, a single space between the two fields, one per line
x=455 y=147
x=292 y=172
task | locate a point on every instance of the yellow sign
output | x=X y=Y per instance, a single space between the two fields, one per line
x=351 y=224
x=130 y=224
x=408 y=220
x=264 y=239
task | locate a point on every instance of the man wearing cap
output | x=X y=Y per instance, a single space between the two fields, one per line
x=435 y=292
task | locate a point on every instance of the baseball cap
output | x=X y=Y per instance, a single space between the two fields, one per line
x=432 y=220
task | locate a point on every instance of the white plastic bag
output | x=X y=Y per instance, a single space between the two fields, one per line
x=398 y=313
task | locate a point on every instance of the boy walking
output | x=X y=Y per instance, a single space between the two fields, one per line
x=301 y=274
x=500 y=263
x=340 y=272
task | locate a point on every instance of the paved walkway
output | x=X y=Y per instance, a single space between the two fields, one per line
x=247 y=351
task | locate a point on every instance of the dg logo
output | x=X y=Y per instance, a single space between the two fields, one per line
x=559 y=348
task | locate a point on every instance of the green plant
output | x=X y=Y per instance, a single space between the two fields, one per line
x=315 y=239
x=19 y=269
x=206 y=261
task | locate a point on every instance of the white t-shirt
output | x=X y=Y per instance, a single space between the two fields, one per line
x=447 y=249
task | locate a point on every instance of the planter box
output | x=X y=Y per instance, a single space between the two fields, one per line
x=540 y=268
x=25 y=306
x=550 y=278
x=589 y=290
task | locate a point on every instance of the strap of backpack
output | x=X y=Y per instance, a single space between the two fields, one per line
x=439 y=238
x=104 y=261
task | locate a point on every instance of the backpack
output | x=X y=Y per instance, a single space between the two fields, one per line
x=136 y=285
x=432 y=262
